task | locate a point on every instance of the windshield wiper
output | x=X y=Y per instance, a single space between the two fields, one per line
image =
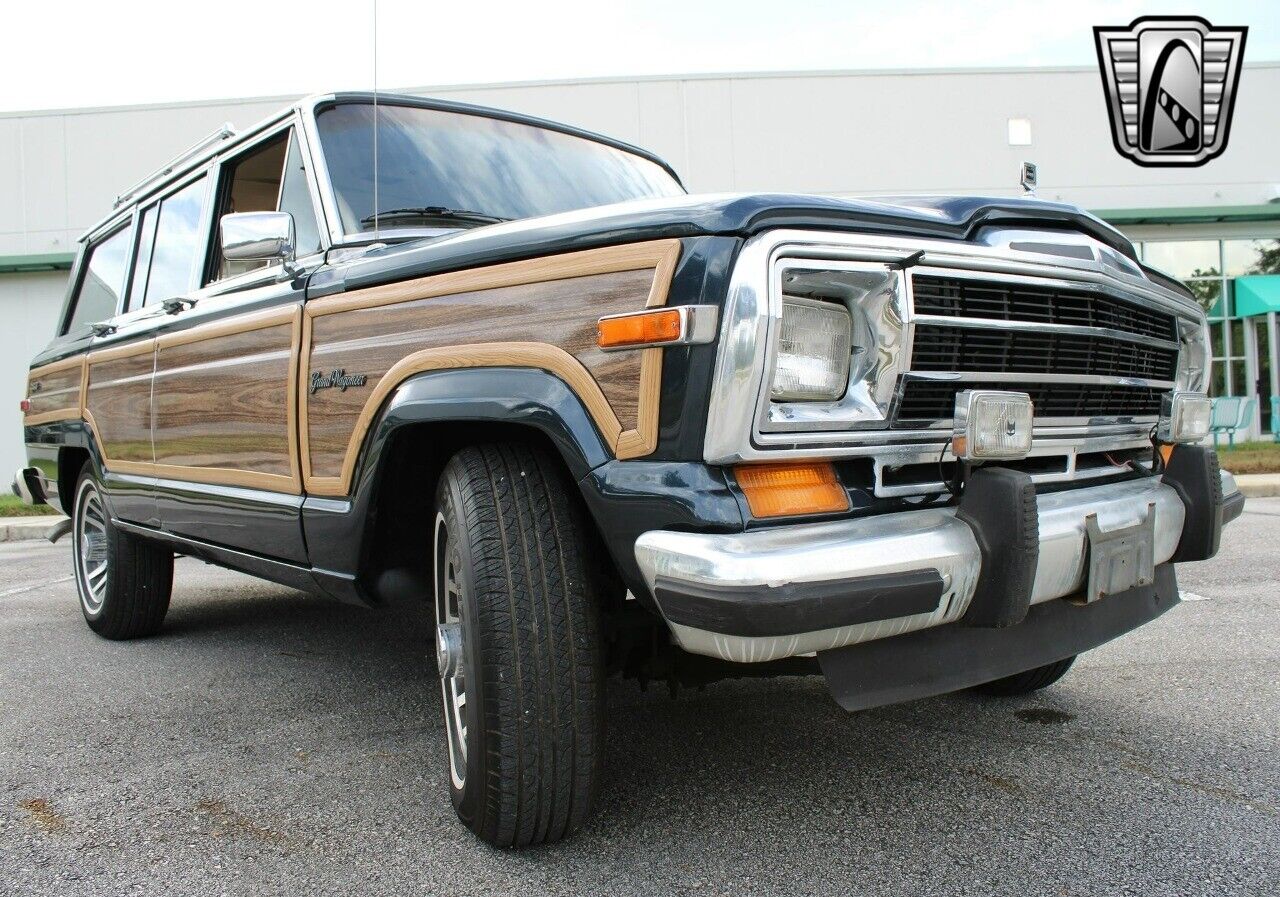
x=458 y=217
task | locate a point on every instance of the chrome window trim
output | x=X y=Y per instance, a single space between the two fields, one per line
x=753 y=307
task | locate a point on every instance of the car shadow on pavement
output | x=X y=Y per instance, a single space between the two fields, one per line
x=733 y=758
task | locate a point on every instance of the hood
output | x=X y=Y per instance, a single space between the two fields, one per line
x=743 y=215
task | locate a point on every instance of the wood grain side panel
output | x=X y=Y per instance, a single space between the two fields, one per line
x=54 y=392
x=118 y=406
x=223 y=406
x=371 y=340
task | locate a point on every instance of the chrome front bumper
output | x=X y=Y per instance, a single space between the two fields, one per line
x=806 y=555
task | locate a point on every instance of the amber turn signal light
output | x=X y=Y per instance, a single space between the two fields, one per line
x=641 y=329
x=781 y=490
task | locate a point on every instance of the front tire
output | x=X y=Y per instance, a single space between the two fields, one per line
x=123 y=581
x=518 y=645
x=1025 y=683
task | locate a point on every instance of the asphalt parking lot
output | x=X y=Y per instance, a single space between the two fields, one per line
x=271 y=743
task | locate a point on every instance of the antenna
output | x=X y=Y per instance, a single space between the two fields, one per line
x=376 y=205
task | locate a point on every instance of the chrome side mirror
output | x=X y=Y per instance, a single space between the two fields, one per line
x=258 y=237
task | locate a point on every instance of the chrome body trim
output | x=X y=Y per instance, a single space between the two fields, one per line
x=890 y=543
x=1069 y=453
x=753 y=306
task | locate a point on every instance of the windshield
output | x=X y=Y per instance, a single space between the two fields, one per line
x=430 y=159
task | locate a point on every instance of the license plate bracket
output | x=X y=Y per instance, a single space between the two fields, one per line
x=1122 y=558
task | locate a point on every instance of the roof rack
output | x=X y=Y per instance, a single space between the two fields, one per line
x=223 y=133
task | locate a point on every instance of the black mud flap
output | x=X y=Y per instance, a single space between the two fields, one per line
x=949 y=658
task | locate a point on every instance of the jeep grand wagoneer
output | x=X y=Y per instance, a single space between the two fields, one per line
x=515 y=376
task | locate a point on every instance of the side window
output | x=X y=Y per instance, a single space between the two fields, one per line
x=177 y=254
x=251 y=183
x=295 y=198
x=269 y=178
x=103 y=282
x=142 y=259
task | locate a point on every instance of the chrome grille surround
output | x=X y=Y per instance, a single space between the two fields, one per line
x=753 y=308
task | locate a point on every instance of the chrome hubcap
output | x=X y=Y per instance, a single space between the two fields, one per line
x=91 y=548
x=449 y=649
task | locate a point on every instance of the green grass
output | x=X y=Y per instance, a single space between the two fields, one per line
x=12 y=506
x=1250 y=457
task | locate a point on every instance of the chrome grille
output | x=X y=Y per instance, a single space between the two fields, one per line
x=925 y=401
x=1081 y=353
x=995 y=299
x=1036 y=352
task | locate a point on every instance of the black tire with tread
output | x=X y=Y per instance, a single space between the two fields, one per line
x=139 y=580
x=1029 y=681
x=533 y=651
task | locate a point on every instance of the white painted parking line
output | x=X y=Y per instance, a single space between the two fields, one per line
x=1192 y=596
x=32 y=588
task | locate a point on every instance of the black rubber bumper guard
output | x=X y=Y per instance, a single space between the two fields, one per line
x=1000 y=634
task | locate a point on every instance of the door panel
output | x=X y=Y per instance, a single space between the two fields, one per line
x=224 y=403
x=225 y=427
x=118 y=405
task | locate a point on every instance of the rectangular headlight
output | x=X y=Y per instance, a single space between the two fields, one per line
x=812 y=363
x=992 y=425
x=1185 y=417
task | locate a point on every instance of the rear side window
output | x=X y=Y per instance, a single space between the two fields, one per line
x=177 y=255
x=142 y=259
x=103 y=282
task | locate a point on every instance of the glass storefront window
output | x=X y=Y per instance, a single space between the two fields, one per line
x=1185 y=259
x=1239 y=381
x=1251 y=257
x=1208 y=292
x=1208 y=268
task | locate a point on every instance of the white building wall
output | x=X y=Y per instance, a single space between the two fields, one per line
x=842 y=133
x=29 y=306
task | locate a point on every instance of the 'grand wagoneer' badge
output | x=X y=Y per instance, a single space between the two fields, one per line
x=338 y=379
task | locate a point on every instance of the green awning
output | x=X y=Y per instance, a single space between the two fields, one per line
x=1191 y=214
x=1257 y=294
x=44 y=261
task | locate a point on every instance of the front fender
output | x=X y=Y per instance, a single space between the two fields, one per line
x=339 y=531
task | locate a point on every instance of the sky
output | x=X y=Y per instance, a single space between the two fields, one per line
x=78 y=53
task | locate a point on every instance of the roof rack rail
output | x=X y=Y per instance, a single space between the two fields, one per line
x=223 y=133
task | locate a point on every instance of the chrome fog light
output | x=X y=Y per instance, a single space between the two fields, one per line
x=1184 y=417
x=991 y=425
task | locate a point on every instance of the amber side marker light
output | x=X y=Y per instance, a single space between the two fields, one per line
x=641 y=329
x=781 y=490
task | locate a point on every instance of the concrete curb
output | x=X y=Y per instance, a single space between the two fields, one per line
x=27 y=529
x=1259 y=485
